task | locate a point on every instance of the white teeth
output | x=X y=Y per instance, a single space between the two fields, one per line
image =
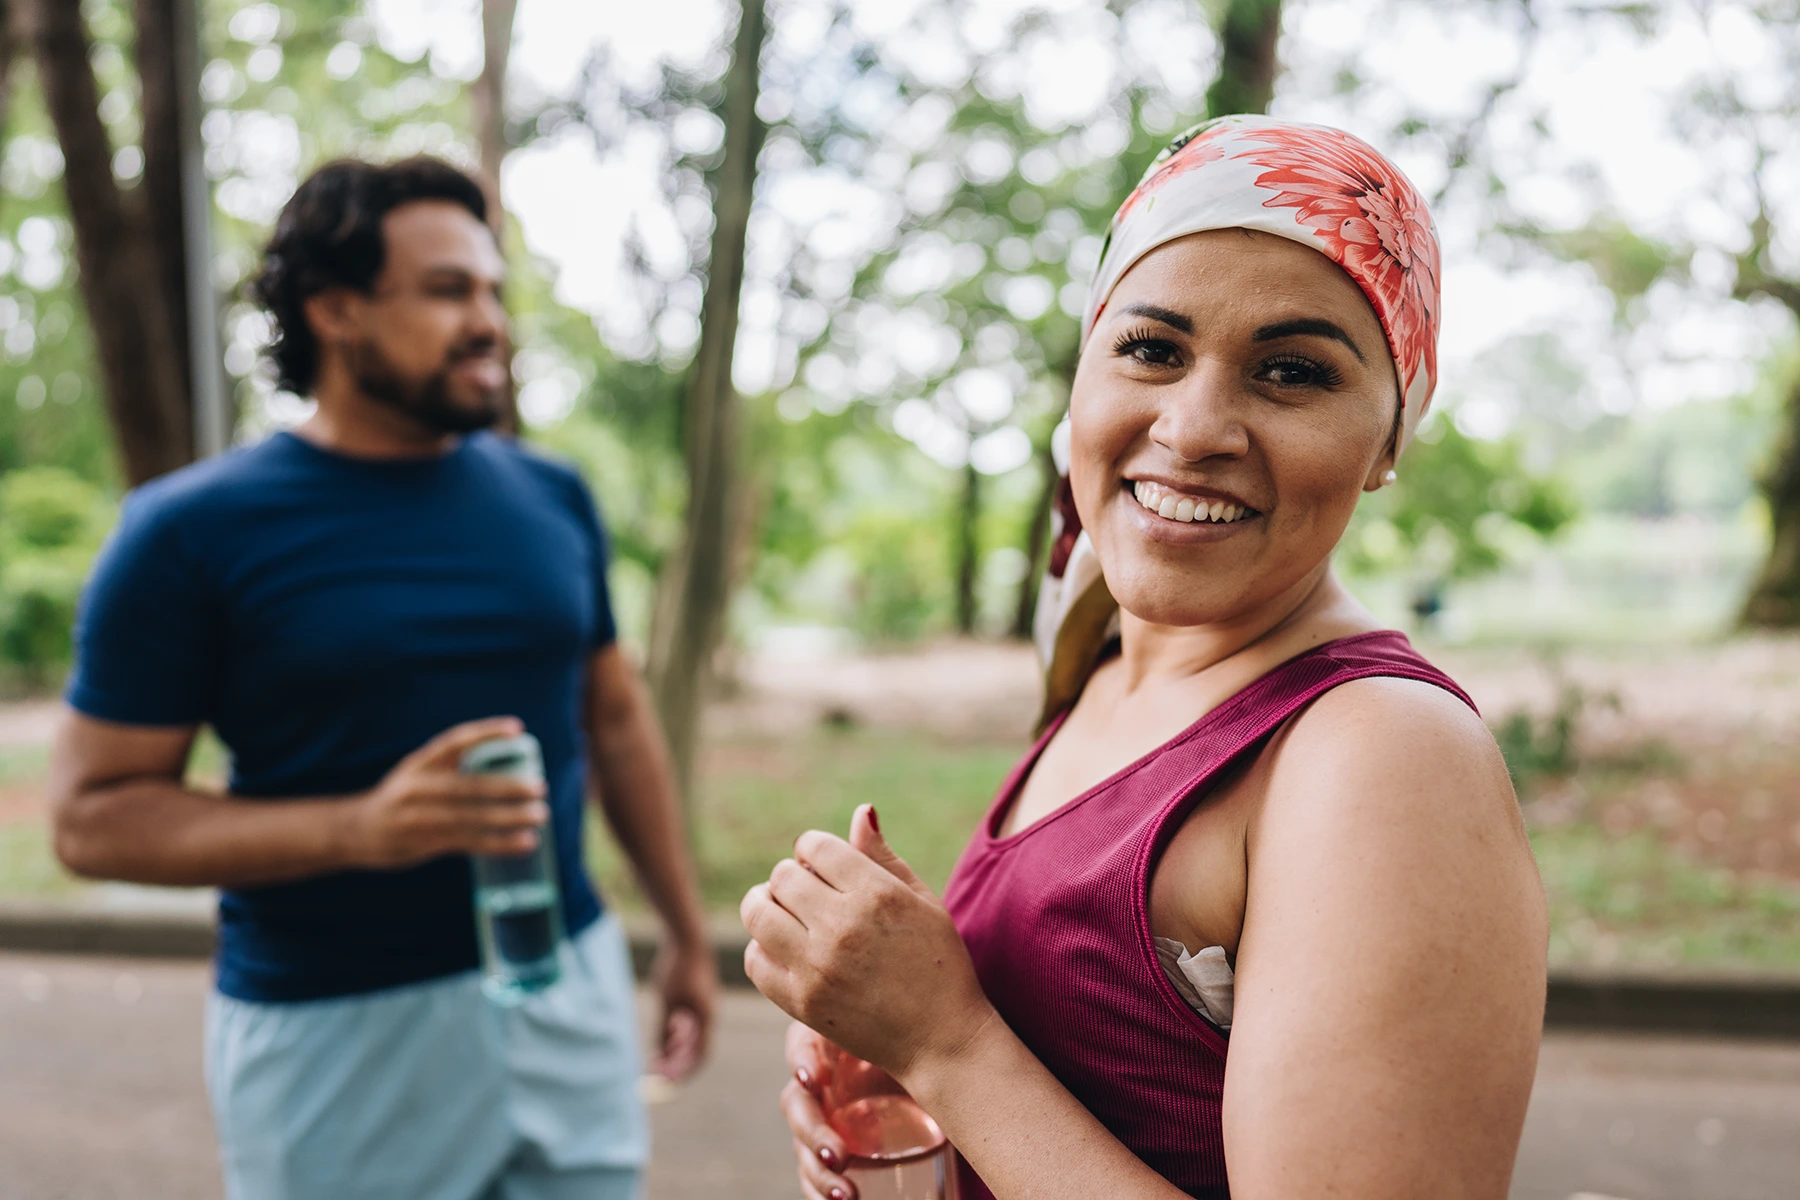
x=1173 y=506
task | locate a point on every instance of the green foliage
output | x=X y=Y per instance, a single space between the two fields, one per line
x=899 y=566
x=1459 y=505
x=1626 y=262
x=1700 y=458
x=51 y=523
x=51 y=408
x=1537 y=747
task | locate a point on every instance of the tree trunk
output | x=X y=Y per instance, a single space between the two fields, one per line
x=1037 y=546
x=160 y=188
x=968 y=549
x=1249 y=36
x=1775 y=600
x=681 y=658
x=177 y=210
x=143 y=362
x=8 y=46
x=487 y=98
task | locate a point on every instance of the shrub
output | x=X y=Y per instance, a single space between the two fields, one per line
x=51 y=523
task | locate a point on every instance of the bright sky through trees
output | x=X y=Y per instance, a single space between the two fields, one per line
x=1611 y=142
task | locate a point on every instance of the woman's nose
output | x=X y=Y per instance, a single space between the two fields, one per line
x=1201 y=417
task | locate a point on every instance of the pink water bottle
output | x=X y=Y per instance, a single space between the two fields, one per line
x=897 y=1152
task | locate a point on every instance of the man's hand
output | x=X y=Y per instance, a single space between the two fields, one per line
x=688 y=982
x=426 y=807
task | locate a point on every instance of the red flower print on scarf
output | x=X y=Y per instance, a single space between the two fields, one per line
x=1373 y=223
x=1201 y=147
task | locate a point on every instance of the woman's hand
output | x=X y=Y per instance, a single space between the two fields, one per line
x=846 y=939
x=819 y=1150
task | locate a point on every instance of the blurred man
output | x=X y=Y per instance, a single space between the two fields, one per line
x=351 y=606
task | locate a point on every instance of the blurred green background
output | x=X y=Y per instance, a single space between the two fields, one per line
x=1581 y=532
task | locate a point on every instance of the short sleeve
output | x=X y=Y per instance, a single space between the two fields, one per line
x=148 y=631
x=606 y=630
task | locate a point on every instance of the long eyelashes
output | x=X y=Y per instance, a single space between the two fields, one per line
x=1145 y=347
x=1316 y=373
x=1139 y=343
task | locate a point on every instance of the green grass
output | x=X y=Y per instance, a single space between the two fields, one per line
x=1624 y=899
x=23 y=765
x=757 y=797
x=1631 y=899
x=27 y=867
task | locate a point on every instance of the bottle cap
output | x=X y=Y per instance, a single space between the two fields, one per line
x=517 y=757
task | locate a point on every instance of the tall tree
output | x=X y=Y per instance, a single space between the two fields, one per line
x=688 y=636
x=1249 y=38
x=128 y=243
x=487 y=96
x=1774 y=601
x=8 y=48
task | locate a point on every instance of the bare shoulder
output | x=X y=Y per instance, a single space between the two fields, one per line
x=1389 y=748
x=1389 y=800
x=1388 y=803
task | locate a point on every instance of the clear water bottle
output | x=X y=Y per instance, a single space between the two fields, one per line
x=518 y=912
x=897 y=1152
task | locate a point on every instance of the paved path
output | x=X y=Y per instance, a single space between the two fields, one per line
x=100 y=1098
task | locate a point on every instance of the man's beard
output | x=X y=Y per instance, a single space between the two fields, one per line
x=428 y=402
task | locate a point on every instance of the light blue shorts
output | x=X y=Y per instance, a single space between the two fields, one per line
x=432 y=1092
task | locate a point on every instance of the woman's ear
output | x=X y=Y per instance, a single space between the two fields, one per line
x=1382 y=473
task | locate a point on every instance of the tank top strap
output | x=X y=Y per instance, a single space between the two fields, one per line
x=1261 y=708
x=1188 y=765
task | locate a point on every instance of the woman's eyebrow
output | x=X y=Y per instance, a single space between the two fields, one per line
x=1303 y=326
x=1167 y=316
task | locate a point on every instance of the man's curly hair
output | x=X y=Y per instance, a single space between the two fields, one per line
x=329 y=235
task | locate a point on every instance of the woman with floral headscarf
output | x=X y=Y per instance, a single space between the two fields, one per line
x=1256 y=821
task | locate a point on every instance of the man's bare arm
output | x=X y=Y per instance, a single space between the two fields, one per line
x=120 y=810
x=637 y=792
x=637 y=795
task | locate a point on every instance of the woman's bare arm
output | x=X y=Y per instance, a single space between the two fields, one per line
x=1390 y=978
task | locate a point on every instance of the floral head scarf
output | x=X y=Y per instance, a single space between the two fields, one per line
x=1315 y=185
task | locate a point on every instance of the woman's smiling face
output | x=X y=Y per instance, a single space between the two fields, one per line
x=1234 y=400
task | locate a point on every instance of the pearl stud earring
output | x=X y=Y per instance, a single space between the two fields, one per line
x=1390 y=479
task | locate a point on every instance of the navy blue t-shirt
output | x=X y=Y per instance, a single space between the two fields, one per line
x=327 y=616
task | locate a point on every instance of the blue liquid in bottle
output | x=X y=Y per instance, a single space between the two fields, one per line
x=518 y=913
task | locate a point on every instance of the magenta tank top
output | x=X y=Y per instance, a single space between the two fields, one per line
x=1056 y=917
